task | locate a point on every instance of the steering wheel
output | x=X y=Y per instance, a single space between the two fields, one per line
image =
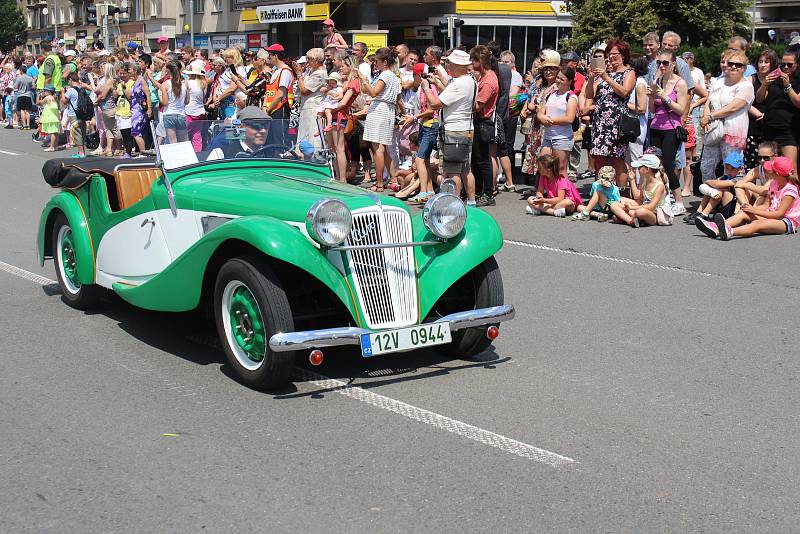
x=279 y=149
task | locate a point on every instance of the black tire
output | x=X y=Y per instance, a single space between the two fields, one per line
x=77 y=295
x=482 y=287
x=274 y=369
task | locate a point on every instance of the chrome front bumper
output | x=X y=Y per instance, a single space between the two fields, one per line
x=348 y=335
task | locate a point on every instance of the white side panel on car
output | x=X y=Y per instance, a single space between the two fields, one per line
x=134 y=248
x=181 y=231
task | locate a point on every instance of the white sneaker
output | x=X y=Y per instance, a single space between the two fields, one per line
x=678 y=209
x=530 y=210
x=709 y=191
x=470 y=203
x=560 y=212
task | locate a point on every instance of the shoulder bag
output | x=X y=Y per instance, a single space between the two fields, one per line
x=456 y=149
x=628 y=128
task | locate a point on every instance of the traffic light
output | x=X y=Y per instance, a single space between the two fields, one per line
x=114 y=10
x=457 y=23
x=91 y=15
x=443 y=26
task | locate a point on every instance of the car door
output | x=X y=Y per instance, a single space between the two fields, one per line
x=134 y=248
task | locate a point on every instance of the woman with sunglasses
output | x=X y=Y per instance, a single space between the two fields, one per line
x=779 y=95
x=609 y=88
x=729 y=100
x=670 y=98
x=766 y=63
x=543 y=85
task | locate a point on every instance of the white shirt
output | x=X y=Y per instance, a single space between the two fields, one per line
x=699 y=81
x=516 y=79
x=457 y=100
x=218 y=154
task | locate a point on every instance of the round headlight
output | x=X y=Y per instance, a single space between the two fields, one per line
x=444 y=215
x=328 y=222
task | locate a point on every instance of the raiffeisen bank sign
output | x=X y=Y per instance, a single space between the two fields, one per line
x=281 y=13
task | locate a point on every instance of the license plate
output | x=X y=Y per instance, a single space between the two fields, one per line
x=415 y=337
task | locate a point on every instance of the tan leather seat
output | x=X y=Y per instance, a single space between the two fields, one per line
x=134 y=184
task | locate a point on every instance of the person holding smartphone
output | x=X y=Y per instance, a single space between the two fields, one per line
x=779 y=94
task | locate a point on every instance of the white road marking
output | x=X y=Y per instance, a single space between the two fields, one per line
x=434 y=419
x=8 y=153
x=414 y=413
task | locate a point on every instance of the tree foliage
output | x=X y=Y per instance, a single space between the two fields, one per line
x=696 y=21
x=12 y=25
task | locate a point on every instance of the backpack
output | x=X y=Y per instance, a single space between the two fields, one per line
x=84 y=111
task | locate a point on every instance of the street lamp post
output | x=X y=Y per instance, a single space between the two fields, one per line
x=55 y=20
x=191 y=23
x=753 y=20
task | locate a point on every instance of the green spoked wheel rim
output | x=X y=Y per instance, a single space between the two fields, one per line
x=67 y=260
x=244 y=325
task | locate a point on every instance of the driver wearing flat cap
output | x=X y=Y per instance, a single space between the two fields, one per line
x=255 y=123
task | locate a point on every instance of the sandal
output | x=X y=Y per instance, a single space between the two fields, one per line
x=376 y=188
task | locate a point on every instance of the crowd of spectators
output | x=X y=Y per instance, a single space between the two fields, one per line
x=410 y=120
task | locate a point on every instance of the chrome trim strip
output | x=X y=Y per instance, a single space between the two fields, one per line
x=386 y=245
x=348 y=335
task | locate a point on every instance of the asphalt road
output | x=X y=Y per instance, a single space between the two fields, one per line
x=648 y=384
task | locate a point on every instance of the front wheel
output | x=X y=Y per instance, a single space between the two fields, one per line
x=250 y=306
x=482 y=287
x=76 y=294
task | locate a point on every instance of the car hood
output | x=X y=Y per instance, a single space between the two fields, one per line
x=282 y=194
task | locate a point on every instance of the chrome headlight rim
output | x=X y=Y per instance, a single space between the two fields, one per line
x=315 y=221
x=433 y=209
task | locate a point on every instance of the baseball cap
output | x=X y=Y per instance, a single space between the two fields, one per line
x=162 y=39
x=458 y=57
x=647 y=160
x=328 y=22
x=301 y=60
x=275 y=48
x=70 y=53
x=419 y=69
x=550 y=58
x=133 y=44
x=687 y=54
x=571 y=56
x=61 y=41
x=780 y=165
x=252 y=112
x=735 y=160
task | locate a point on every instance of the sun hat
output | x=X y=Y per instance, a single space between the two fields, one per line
x=550 y=58
x=162 y=39
x=275 y=48
x=458 y=57
x=647 y=160
x=333 y=76
x=735 y=160
x=196 y=67
x=780 y=165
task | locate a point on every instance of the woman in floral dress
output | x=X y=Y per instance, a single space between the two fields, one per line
x=609 y=89
x=140 y=108
x=543 y=84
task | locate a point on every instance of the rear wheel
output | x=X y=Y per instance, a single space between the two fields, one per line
x=250 y=306
x=482 y=287
x=76 y=294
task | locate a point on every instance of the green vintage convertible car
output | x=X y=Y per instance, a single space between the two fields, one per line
x=284 y=257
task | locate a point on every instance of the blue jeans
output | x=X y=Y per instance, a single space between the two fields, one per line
x=428 y=138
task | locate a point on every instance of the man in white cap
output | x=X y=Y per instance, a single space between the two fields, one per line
x=456 y=102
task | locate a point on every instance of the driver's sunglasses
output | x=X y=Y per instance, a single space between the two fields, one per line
x=256 y=124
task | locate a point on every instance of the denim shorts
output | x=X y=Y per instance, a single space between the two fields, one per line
x=558 y=143
x=428 y=137
x=790 y=229
x=174 y=122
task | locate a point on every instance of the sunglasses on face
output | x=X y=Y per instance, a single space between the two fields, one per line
x=663 y=63
x=787 y=65
x=256 y=124
x=764 y=158
x=735 y=65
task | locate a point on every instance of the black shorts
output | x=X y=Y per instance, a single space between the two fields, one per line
x=586 y=143
x=729 y=209
x=782 y=136
x=24 y=103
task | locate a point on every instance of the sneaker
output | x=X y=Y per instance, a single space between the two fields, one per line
x=77 y=156
x=689 y=219
x=725 y=230
x=635 y=222
x=471 y=203
x=581 y=216
x=707 y=227
x=678 y=209
x=508 y=187
x=560 y=212
x=485 y=200
x=530 y=210
x=9 y=127
x=603 y=217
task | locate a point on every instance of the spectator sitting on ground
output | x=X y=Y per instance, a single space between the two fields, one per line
x=556 y=195
x=782 y=216
x=718 y=194
x=753 y=188
x=648 y=199
x=604 y=193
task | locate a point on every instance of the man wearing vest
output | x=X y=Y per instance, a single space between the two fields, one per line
x=50 y=73
x=279 y=94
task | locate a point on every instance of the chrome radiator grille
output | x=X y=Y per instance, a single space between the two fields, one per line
x=385 y=279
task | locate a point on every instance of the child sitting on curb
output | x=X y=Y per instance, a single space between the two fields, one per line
x=718 y=195
x=782 y=216
x=650 y=207
x=604 y=193
x=753 y=188
x=556 y=195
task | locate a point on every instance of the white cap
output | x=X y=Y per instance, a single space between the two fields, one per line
x=458 y=57
x=302 y=59
x=70 y=53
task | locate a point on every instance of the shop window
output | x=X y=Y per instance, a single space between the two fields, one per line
x=501 y=35
x=485 y=34
x=518 y=47
x=534 y=44
x=549 y=38
x=469 y=37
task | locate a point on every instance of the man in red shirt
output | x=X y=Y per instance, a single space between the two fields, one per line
x=571 y=59
x=484 y=145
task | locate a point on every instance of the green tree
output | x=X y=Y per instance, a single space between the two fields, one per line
x=13 y=26
x=696 y=21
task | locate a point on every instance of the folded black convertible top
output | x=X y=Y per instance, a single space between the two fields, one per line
x=71 y=173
